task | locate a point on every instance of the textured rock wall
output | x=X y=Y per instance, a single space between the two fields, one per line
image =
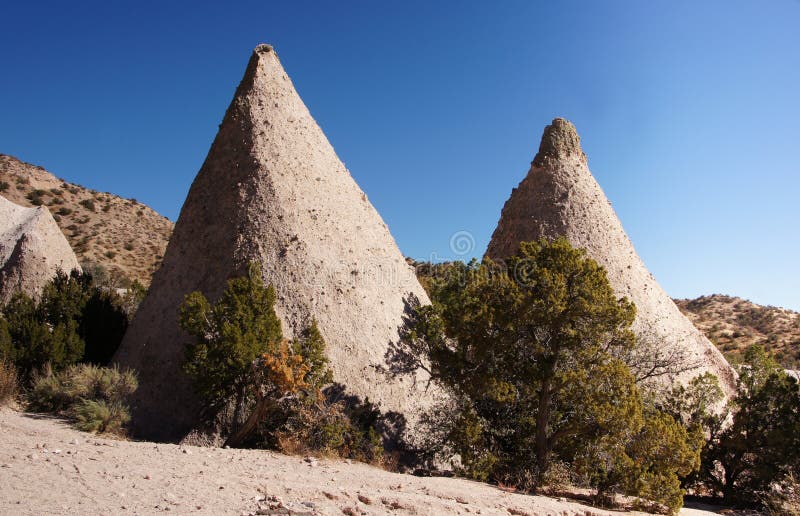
x=32 y=249
x=560 y=197
x=273 y=190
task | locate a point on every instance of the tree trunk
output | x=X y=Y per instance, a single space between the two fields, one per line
x=542 y=421
x=250 y=425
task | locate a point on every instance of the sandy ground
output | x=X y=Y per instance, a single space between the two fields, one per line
x=46 y=467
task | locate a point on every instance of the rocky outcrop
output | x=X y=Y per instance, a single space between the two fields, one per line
x=560 y=197
x=272 y=190
x=123 y=236
x=32 y=250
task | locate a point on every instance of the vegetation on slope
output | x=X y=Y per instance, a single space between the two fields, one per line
x=734 y=324
x=121 y=236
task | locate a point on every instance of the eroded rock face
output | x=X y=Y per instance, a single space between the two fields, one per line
x=560 y=197
x=32 y=250
x=273 y=190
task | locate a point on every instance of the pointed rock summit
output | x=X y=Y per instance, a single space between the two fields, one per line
x=273 y=190
x=32 y=250
x=560 y=197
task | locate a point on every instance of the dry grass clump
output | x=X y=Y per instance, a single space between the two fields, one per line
x=9 y=382
x=94 y=397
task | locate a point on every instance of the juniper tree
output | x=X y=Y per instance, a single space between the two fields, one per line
x=530 y=353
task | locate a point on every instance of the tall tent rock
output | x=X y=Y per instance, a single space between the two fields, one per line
x=560 y=198
x=272 y=190
x=32 y=250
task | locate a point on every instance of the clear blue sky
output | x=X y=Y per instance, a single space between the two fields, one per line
x=689 y=111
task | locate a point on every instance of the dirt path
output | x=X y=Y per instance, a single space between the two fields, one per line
x=46 y=467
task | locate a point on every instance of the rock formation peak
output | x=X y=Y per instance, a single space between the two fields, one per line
x=560 y=197
x=559 y=141
x=272 y=190
x=32 y=250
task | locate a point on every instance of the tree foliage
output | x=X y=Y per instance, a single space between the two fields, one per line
x=761 y=446
x=74 y=321
x=239 y=354
x=228 y=336
x=531 y=353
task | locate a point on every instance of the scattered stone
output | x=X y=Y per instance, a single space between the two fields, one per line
x=363 y=499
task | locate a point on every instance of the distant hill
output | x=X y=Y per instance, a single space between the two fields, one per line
x=124 y=236
x=733 y=324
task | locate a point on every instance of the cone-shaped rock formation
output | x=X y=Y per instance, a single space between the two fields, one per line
x=560 y=197
x=32 y=249
x=273 y=190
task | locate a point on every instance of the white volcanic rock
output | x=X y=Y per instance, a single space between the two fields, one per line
x=32 y=250
x=273 y=190
x=560 y=197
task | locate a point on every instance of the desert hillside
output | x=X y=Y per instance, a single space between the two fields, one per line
x=733 y=324
x=123 y=235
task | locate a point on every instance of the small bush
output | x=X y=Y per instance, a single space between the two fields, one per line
x=784 y=500
x=100 y=416
x=9 y=382
x=128 y=246
x=94 y=397
x=47 y=393
x=4 y=185
x=64 y=211
x=110 y=255
x=56 y=191
x=106 y=207
x=88 y=204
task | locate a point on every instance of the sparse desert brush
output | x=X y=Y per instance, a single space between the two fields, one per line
x=94 y=397
x=100 y=416
x=9 y=382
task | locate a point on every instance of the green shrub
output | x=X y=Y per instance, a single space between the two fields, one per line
x=238 y=356
x=9 y=381
x=94 y=397
x=37 y=196
x=4 y=185
x=75 y=320
x=760 y=448
x=100 y=416
x=88 y=204
x=128 y=246
x=64 y=211
x=531 y=352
